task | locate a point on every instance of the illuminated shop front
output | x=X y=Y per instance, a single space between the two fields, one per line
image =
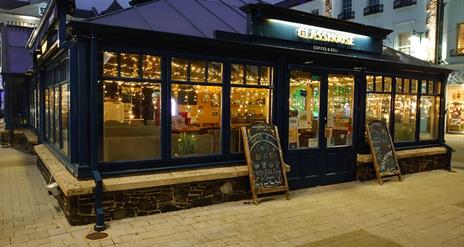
x=124 y=98
x=455 y=120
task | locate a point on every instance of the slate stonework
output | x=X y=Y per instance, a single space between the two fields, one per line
x=80 y=210
x=366 y=171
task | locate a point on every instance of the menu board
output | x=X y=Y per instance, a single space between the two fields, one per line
x=383 y=151
x=264 y=158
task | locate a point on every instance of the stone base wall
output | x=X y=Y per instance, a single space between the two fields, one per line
x=80 y=210
x=366 y=171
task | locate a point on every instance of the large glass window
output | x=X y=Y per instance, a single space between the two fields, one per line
x=378 y=98
x=196 y=107
x=131 y=109
x=56 y=112
x=429 y=111
x=47 y=114
x=64 y=88
x=303 y=116
x=340 y=110
x=51 y=128
x=57 y=105
x=132 y=119
x=250 y=99
x=460 y=39
x=405 y=110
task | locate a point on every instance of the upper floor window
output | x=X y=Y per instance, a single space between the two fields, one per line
x=403 y=3
x=373 y=6
x=346 y=12
x=404 y=44
x=460 y=39
x=346 y=6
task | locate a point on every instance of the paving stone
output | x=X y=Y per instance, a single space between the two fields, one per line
x=420 y=211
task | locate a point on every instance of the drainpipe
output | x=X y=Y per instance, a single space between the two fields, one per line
x=439 y=30
x=93 y=86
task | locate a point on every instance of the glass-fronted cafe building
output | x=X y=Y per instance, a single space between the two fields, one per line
x=161 y=87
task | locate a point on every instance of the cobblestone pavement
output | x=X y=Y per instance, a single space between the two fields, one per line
x=456 y=141
x=426 y=209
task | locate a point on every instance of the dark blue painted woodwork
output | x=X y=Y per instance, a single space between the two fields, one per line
x=309 y=167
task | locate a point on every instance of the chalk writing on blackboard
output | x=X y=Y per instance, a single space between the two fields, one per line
x=382 y=149
x=264 y=158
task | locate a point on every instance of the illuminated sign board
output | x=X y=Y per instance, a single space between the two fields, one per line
x=316 y=38
x=305 y=32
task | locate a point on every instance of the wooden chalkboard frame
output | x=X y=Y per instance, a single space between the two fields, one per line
x=256 y=191
x=381 y=175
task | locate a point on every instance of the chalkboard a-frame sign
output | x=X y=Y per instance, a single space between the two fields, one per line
x=265 y=160
x=383 y=150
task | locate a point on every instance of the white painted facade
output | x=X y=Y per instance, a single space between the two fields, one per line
x=407 y=20
x=411 y=20
x=453 y=15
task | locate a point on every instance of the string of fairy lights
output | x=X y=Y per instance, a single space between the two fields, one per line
x=245 y=102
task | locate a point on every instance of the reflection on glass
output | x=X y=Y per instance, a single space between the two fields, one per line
x=405 y=117
x=65 y=116
x=370 y=82
x=247 y=105
x=179 y=68
x=110 y=64
x=197 y=71
x=340 y=110
x=196 y=129
x=266 y=75
x=57 y=115
x=387 y=82
x=378 y=84
x=430 y=87
x=406 y=86
x=215 y=72
x=129 y=65
x=428 y=126
x=437 y=87
x=236 y=74
x=399 y=85
x=423 y=87
x=47 y=114
x=414 y=83
x=252 y=75
x=132 y=117
x=303 y=117
x=378 y=107
x=151 y=67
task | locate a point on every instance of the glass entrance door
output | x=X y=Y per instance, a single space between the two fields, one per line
x=320 y=127
x=339 y=126
x=303 y=116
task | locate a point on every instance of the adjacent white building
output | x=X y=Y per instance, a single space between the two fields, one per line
x=431 y=30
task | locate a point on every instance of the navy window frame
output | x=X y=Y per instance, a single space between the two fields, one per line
x=101 y=78
x=393 y=93
x=57 y=74
x=166 y=161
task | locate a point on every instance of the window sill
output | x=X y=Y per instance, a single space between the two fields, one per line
x=71 y=186
x=409 y=153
